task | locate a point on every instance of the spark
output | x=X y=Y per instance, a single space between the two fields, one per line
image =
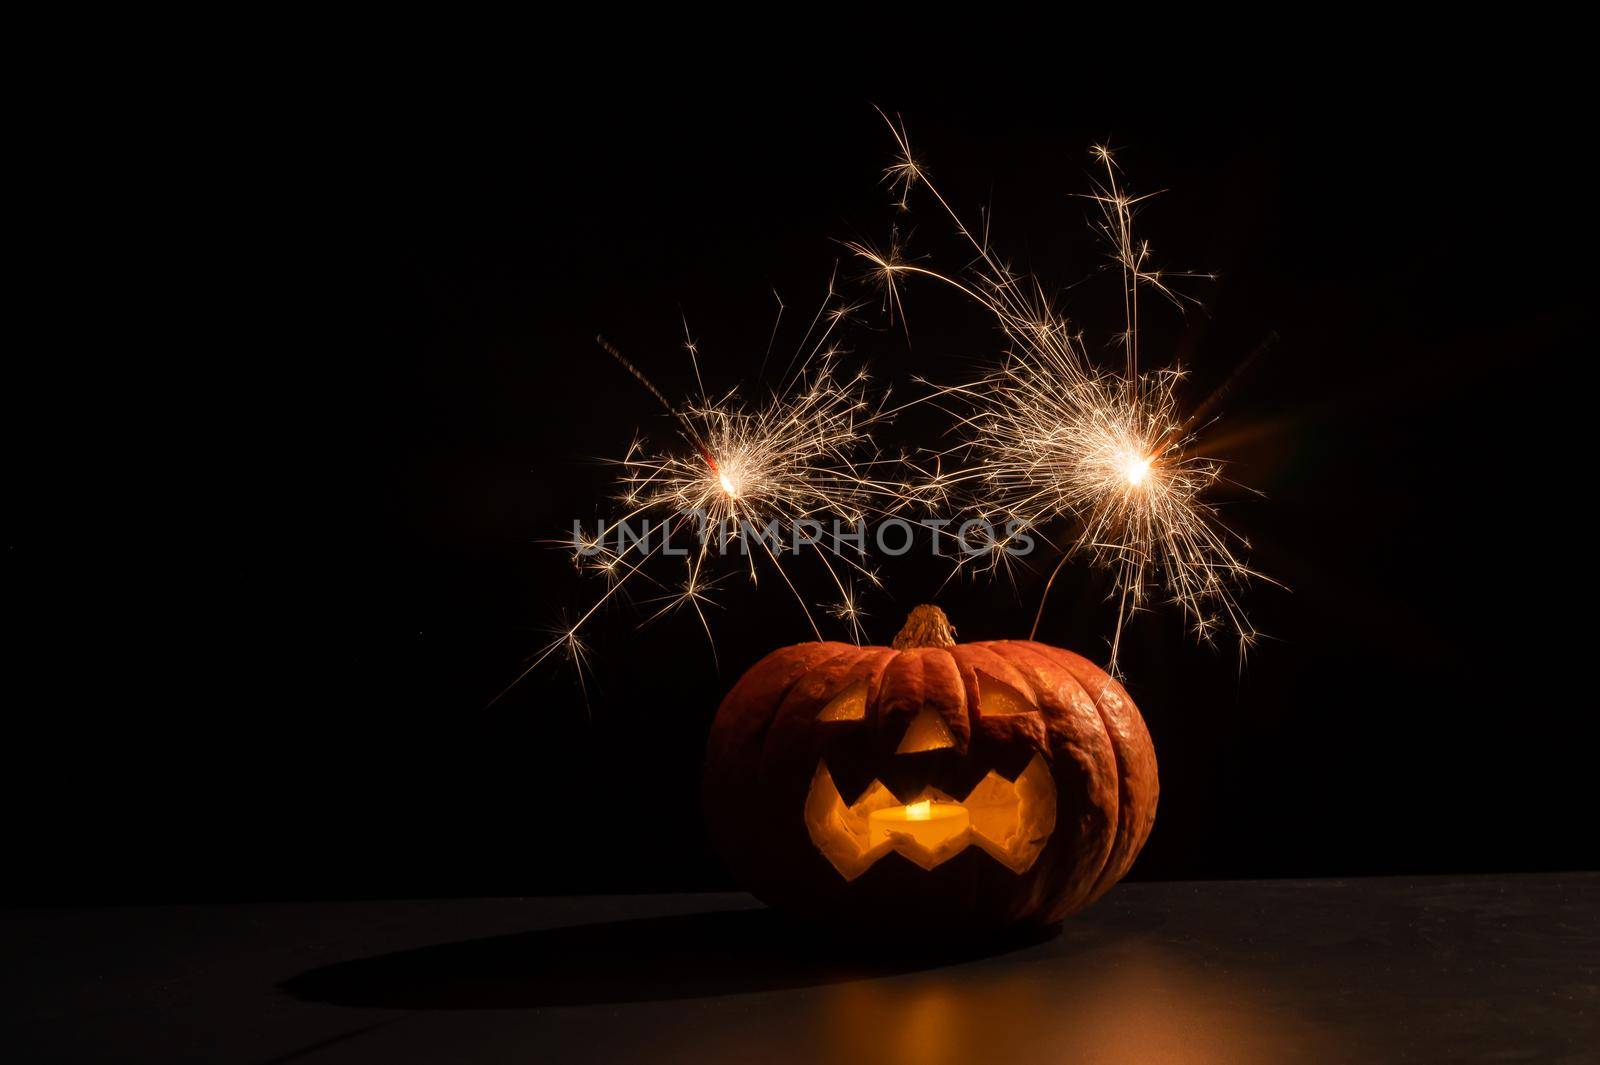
x=848 y=609
x=1049 y=437
x=749 y=483
x=772 y=474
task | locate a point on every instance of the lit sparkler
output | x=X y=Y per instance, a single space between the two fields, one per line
x=769 y=477
x=1047 y=435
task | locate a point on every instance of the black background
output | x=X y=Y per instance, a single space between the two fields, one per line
x=280 y=536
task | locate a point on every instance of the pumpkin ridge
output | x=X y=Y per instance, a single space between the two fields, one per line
x=988 y=647
x=963 y=712
x=815 y=667
x=758 y=735
x=1037 y=650
x=782 y=707
x=1126 y=799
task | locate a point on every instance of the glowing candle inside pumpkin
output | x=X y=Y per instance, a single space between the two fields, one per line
x=929 y=823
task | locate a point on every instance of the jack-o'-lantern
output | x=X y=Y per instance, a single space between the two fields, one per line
x=929 y=783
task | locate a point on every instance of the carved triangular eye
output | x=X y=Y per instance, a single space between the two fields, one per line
x=848 y=705
x=996 y=698
x=927 y=733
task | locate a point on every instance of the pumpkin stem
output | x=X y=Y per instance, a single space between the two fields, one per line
x=926 y=626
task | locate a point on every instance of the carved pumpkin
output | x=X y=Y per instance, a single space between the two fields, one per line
x=929 y=784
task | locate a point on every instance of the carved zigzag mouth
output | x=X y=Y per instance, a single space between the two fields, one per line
x=1011 y=820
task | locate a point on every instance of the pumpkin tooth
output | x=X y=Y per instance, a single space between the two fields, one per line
x=1010 y=820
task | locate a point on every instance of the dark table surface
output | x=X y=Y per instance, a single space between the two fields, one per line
x=1465 y=969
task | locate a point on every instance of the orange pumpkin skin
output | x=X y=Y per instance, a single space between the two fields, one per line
x=767 y=743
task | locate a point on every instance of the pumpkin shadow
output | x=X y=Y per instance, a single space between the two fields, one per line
x=637 y=960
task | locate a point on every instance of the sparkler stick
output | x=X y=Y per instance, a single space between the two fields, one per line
x=639 y=376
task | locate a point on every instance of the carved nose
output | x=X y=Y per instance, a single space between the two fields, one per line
x=927 y=732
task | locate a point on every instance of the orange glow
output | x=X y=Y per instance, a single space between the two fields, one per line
x=920 y=824
x=1010 y=819
x=848 y=705
x=1124 y=1000
x=927 y=733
